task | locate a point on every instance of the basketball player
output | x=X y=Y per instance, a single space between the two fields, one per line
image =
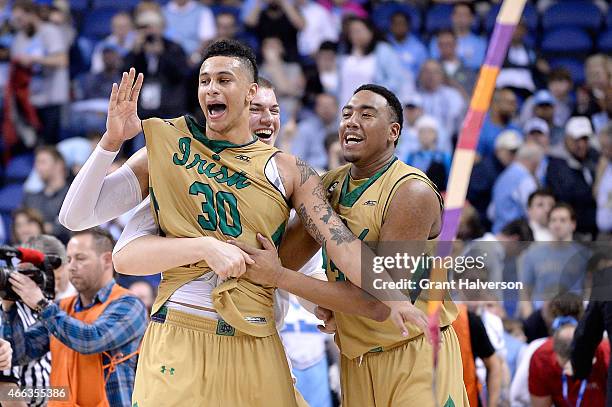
x=226 y=89
x=382 y=200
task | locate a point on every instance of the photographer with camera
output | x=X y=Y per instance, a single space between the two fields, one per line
x=93 y=336
x=164 y=64
x=36 y=372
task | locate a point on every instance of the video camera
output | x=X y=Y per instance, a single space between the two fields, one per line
x=41 y=270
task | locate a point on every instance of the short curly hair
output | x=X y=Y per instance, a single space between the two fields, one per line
x=394 y=104
x=234 y=49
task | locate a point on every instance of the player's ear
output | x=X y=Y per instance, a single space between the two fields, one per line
x=252 y=92
x=394 y=132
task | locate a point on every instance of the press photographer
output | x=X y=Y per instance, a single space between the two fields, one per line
x=93 y=336
x=36 y=372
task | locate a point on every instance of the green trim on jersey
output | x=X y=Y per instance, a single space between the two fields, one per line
x=348 y=199
x=277 y=236
x=199 y=133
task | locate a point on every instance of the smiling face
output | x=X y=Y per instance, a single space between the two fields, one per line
x=367 y=129
x=225 y=91
x=264 y=119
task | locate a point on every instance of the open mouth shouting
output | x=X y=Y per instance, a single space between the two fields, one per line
x=263 y=134
x=216 y=110
x=352 y=139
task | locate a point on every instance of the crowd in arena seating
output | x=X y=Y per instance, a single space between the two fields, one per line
x=543 y=170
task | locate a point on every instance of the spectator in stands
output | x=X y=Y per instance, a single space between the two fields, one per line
x=369 y=59
x=590 y=98
x=59 y=14
x=88 y=113
x=164 y=65
x=518 y=67
x=551 y=377
x=472 y=47
x=409 y=48
x=409 y=140
x=286 y=76
x=500 y=248
x=603 y=182
x=500 y=117
x=549 y=268
x=312 y=130
x=513 y=187
x=458 y=75
x=228 y=28
x=145 y=291
x=50 y=245
x=488 y=169
x=537 y=132
x=26 y=223
x=474 y=343
x=122 y=37
x=560 y=85
x=275 y=18
x=319 y=27
x=190 y=24
x=327 y=67
x=429 y=158
x=41 y=47
x=571 y=172
x=440 y=101
x=602 y=118
x=305 y=347
x=515 y=343
x=596 y=320
x=538 y=327
x=335 y=157
x=539 y=204
x=99 y=329
x=35 y=373
x=470 y=227
x=51 y=167
x=544 y=108
x=341 y=10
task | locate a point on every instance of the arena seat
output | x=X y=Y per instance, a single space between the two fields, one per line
x=79 y=5
x=97 y=23
x=383 y=12
x=566 y=40
x=604 y=42
x=438 y=18
x=19 y=168
x=582 y=14
x=126 y=5
x=10 y=197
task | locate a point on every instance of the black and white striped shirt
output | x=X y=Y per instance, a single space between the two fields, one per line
x=36 y=373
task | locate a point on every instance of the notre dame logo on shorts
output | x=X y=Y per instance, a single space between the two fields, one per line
x=225 y=329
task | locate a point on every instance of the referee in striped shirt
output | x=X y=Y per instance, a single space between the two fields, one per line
x=36 y=373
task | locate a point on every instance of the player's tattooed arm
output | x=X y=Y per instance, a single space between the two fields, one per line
x=320 y=221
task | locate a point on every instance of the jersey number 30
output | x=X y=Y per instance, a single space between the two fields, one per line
x=214 y=210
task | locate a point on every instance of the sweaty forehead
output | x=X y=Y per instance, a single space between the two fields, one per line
x=218 y=64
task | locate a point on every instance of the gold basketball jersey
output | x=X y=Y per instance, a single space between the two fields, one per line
x=363 y=205
x=204 y=187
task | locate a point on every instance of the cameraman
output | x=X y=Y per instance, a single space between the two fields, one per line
x=164 y=65
x=93 y=336
x=36 y=372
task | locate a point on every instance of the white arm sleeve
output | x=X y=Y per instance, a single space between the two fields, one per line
x=141 y=224
x=94 y=197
